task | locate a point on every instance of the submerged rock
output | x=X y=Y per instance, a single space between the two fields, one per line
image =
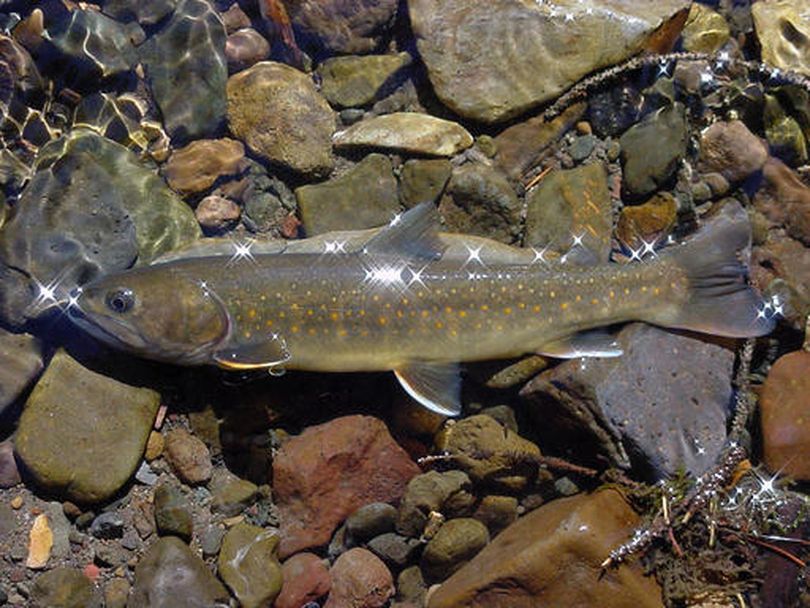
x=188 y=457
x=522 y=145
x=94 y=45
x=327 y=472
x=423 y=180
x=359 y=579
x=248 y=564
x=662 y=406
x=409 y=132
x=785 y=200
x=356 y=81
x=20 y=363
x=552 y=557
x=489 y=452
x=652 y=149
x=492 y=60
x=649 y=222
x=244 y=48
x=186 y=70
x=172 y=512
x=365 y=197
x=63 y=588
x=783 y=32
x=480 y=200
x=92 y=208
x=170 y=575
x=705 y=31
x=448 y=493
x=785 y=416
x=197 y=166
x=277 y=111
x=306 y=578
x=730 y=149
x=105 y=422
x=145 y=13
x=333 y=25
x=570 y=212
x=456 y=542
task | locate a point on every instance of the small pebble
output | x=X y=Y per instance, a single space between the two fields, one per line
x=154 y=446
x=371 y=520
x=188 y=457
x=16 y=502
x=146 y=475
x=584 y=127
x=40 y=542
x=217 y=213
x=108 y=525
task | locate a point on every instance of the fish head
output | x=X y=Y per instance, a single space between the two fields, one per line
x=154 y=314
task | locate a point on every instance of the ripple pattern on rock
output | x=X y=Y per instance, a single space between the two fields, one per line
x=186 y=68
x=492 y=60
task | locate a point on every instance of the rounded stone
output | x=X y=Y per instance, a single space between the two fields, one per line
x=197 y=166
x=456 y=542
x=371 y=520
x=107 y=423
x=170 y=570
x=244 y=48
x=652 y=150
x=63 y=588
x=730 y=149
x=306 y=579
x=172 y=512
x=154 y=446
x=497 y=512
x=248 y=564
x=359 y=579
x=277 y=111
x=217 y=213
x=231 y=495
x=785 y=416
x=188 y=457
x=423 y=180
x=9 y=473
x=410 y=132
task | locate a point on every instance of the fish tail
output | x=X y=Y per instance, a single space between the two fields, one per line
x=715 y=261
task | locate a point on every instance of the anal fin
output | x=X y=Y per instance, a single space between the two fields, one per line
x=254 y=355
x=590 y=343
x=437 y=386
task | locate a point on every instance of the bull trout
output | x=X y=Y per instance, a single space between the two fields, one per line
x=403 y=303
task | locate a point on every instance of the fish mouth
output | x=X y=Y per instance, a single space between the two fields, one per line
x=108 y=330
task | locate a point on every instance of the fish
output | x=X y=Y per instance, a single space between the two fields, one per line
x=417 y=302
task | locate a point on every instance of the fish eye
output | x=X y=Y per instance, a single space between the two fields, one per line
x=120 y=300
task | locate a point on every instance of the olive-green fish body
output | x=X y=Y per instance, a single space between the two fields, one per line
x=402 y=303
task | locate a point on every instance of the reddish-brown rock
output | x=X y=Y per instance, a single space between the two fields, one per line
x=649 y=222
x=325 y=473
x=785 y=200
x=552 y=557
x=359 y=580
x=216 y=213
x=198 y=165
x=245 y=48
x=730 y=149
x=786 y=416
x=306 y=578
x=188 y=457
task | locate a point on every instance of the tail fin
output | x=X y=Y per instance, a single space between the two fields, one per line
x=715 y=260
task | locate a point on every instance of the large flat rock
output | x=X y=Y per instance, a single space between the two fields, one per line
x=491 y=60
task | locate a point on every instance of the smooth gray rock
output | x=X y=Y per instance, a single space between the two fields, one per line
x=661 y=406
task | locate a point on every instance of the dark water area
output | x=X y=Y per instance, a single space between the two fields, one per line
x=404 y=303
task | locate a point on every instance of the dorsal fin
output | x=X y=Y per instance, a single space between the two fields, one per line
x=415 y=233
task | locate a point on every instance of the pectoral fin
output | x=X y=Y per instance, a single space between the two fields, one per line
x=437 y=386
x=255 y=355
x=591 y=343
